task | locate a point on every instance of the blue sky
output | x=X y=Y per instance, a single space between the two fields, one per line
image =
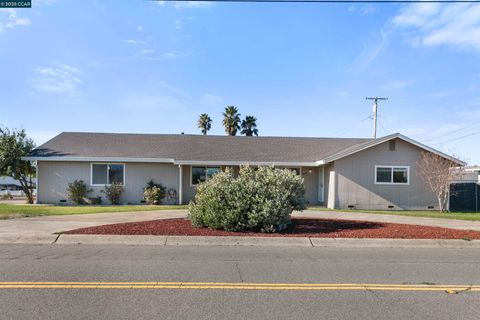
x=301 y=69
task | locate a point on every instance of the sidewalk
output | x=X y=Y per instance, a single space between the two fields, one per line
x=373 y=217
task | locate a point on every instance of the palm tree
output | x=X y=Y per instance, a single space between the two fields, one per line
x=249 y=126
x=231 y=120
x=204 y=123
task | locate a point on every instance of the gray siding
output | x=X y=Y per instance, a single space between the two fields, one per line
x=310 y=180
x=54 y=178
x=355 y=183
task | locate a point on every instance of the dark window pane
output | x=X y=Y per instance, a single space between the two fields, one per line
x=212 y=171
x=198 y=175
x=296 y=170
x=400 y=175
x=115 y=174
x=384 y=174
x=99 y=174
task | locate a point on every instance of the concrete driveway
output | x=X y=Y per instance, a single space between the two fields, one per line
x=43 y=229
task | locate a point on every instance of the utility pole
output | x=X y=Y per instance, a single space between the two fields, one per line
x=375 y=108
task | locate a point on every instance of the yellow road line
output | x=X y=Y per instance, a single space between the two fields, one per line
x=234 y=286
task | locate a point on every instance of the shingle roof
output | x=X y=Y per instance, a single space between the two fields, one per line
x=193 y=147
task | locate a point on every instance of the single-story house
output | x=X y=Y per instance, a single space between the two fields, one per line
x=338 y=172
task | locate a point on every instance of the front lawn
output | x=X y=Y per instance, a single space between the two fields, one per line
x=16 y=211
x=471 y=216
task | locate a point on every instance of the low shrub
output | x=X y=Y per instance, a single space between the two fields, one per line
x=114 y=192
x=95 y=200
x=259 y=199
x=77 y=192
x=154 y=193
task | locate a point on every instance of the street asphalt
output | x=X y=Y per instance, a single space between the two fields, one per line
x=21 y=263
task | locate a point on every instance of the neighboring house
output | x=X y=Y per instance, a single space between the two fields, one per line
x=469 y=174
x=8 y=185
x=337 y=172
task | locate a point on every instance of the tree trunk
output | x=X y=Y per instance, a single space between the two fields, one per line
x=27 y=189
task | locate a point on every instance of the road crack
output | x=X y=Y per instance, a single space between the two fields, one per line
x=239 y=272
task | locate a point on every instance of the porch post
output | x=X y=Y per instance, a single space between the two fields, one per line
x=331 y=190
x=180 y=184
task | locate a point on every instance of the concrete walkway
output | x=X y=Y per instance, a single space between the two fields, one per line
x=373 y=217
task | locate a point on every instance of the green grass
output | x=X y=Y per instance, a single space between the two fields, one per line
x=15 y=211
x=471 y=216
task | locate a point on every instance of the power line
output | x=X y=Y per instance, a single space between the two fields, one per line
x=458 y=138
x=331 y=1
x=356 y=124
x=381 y=125
x=450 y=132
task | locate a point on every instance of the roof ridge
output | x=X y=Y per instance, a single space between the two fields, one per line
x=211 y=135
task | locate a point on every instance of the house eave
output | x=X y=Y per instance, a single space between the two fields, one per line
x=99 y=159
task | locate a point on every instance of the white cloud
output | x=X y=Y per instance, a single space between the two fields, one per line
x=131 y=41
x=433 y=24
x=57 y=78
x=192 y=4
x=140 y=28
x=371 y=51
x=9 y=19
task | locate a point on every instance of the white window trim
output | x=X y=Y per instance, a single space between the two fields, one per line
x=107 y=163
x=206 y=177
x=393 y=183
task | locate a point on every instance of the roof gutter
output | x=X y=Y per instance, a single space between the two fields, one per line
x=99 y=159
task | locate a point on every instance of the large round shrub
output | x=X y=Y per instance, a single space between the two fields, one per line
x=259 y=199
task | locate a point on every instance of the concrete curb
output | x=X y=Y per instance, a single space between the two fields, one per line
x=246 y=241
x=236 y=241
x=26 y=238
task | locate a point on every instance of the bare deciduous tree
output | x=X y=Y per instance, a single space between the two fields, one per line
x=437 y=172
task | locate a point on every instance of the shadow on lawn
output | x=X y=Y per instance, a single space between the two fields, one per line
x=311 y=226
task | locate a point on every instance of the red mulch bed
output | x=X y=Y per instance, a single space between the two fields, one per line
x=300 y=227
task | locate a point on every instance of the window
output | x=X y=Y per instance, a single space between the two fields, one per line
x=202 y=174
x=107 y=173
x=391 y=174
